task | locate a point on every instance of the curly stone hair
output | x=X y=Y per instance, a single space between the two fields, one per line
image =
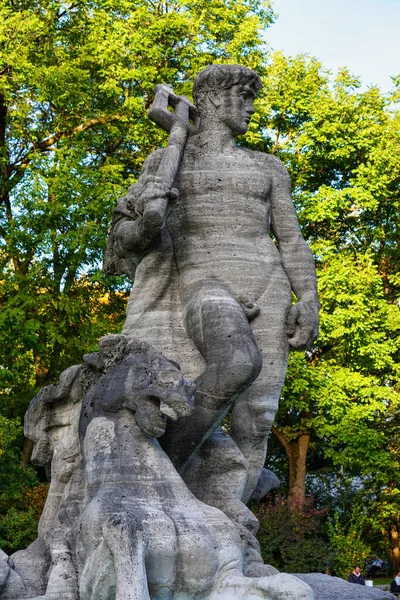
x=222 y=77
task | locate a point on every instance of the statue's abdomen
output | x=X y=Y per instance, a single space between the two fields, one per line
x=220 y=228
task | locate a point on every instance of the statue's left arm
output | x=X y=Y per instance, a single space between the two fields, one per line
x=297 y=260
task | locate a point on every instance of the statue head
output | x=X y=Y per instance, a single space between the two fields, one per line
x=226 y=94
x=137 y=377
x=49 y=418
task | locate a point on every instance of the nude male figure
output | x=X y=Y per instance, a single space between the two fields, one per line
x=216 y=259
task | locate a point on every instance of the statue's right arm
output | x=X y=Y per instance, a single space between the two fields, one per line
x=133 y=233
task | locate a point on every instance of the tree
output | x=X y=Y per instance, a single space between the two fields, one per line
x=340 y=405
x=345 y=391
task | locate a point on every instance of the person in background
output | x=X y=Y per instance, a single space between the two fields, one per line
x=356 y=577
x=375 y=567
x=395 y=585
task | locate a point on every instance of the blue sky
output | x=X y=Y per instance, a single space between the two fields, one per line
x=361 y=34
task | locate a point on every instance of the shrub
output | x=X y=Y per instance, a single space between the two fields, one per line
x=21 y=495
x=292 y=535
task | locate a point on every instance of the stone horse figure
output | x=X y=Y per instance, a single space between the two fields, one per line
x=142 y=533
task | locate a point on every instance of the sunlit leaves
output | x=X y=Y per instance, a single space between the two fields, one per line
x=342 y=148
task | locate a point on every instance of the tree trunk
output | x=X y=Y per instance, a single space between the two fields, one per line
x=298 y=467
x=296 y=451
x=40 y=375
x=4 y=159
x=394 y=535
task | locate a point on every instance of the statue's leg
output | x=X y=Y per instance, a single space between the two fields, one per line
x=124 y=537
x=97 y=577
x=112 y=558
x=217 y=476
x=254 y=411
x=219 y=327
x=63 y=583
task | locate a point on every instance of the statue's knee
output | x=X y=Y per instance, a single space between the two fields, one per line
x=263 y=420
x=244 y=368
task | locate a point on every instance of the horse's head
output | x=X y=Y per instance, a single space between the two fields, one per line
x=146 y=382
x=50 y=416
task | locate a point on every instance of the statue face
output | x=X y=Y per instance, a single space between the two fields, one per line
x=235 y=107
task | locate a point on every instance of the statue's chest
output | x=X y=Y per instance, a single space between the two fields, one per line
x=223 y=177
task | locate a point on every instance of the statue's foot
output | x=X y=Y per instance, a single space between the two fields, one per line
x=258 y=569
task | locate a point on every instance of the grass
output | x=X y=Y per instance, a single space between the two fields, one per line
x=383 y=580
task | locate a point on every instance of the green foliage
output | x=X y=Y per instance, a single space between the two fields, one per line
x=292 y=536
x=348 y=383
x=347 y=546
x=18 y=520
x=369 y=515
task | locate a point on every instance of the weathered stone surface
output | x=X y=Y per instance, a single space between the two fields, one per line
x=137 y=531
x=142 y=532
x=333 y=588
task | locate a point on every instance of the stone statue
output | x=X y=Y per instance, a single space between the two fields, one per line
x=212 y=289
x=119 y=522
x=148 y=492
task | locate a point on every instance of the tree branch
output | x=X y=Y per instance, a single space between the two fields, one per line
x=281 y=439
x=47 y=144
x=60 y=14
x=69 y=279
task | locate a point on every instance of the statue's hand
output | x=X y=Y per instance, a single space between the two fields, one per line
x=302 y=324
x=152 y=204
x=154 y=189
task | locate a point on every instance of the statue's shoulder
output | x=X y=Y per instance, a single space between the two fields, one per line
x=271 y=162
x=274 y=168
